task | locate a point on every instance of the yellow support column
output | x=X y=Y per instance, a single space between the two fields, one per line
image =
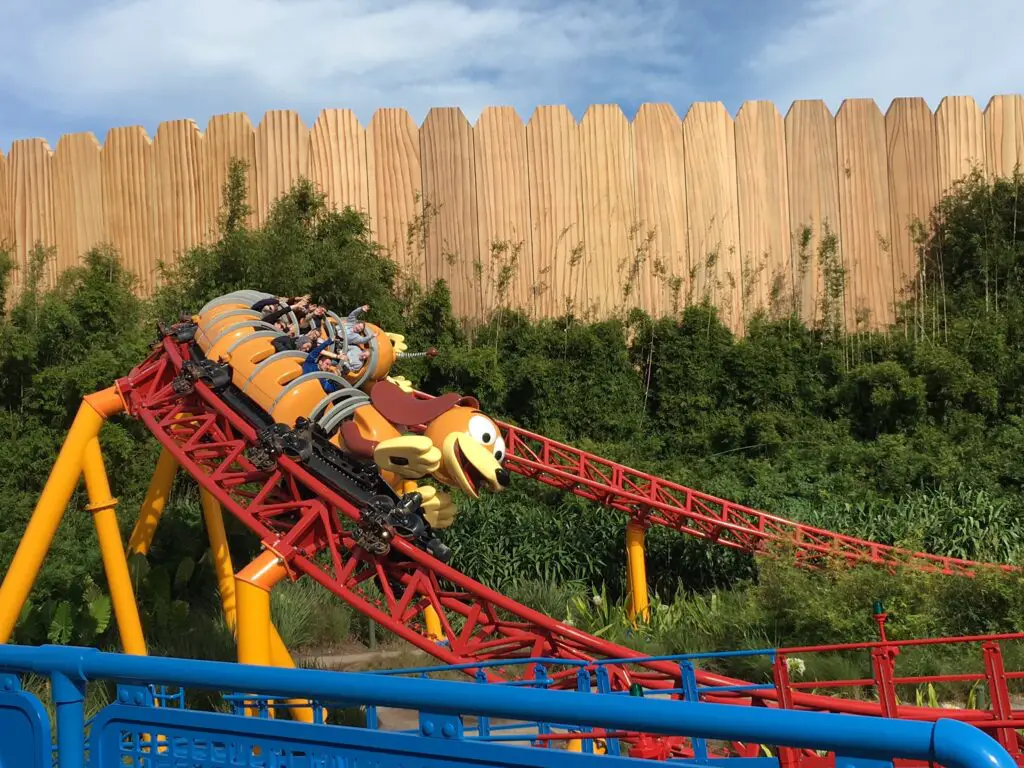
x=222 y=565
x=254 y=629
x=430 y=617
x=115 y=564
x=433 y=621
x=637 y=564
x=225 y=570
x=252 y=591
x=154 y=504
x=46 y=517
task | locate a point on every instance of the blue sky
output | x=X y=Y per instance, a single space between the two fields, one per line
x=89 y=65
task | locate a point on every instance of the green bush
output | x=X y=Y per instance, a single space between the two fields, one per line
x=907 y=435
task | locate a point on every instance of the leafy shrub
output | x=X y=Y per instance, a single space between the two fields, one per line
x=909 y=435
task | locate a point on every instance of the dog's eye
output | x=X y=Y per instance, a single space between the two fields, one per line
x=499 y=449
x=482 y=430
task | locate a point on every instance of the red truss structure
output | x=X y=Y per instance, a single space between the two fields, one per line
x=652 y=501
x=310 y=526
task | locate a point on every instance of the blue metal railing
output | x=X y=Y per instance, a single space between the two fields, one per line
x=596 y=663
x=857 y=740
x=690 y=690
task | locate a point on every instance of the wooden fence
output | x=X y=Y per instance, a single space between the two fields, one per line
x=602 y=213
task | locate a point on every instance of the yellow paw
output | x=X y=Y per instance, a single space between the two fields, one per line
x=438 y=508
x=401 y=382
x=398 y=342
x=408 y=456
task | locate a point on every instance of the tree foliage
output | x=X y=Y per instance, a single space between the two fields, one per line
x=906 y=436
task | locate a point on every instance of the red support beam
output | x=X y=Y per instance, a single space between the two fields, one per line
x=309 y=524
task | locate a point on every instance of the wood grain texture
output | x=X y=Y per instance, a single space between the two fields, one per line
x=338 y=159
x=711 y=202
x=864 y=215
x=612 y=241
x=913 y=185
x=228 y=137
x=178 y=157
x=659 y=156
x=814 y=213
x=959 y=140
x=282 y=156
x=128 y=175
x=601 y=214
x=30 y=180
x=77 y=198
x=6 y=212
x=1004 y=134
x=552 y=146
x=453 y=248
x=396 y=208
x=503 y=207
x=763 y=206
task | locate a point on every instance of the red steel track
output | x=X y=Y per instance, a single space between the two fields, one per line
x=308 y=524
x=651 y=500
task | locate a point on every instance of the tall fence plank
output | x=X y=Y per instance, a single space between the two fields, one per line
x=30 y=176
x=338 y=159
x=6 y=214
x=815 y=221
x=864 y=215
x=613 y=242
x=1004 y=139
x=453 y=250
x=959 y=140
x=552 y=146
x=77 y=197
x=282 y=156
x=661 y=206
x=710 y=147
x=128 y=171
x=177 y=153
x=503 y=205
x=228 y=137
x=396 y=210
x=763 y=207
x=555 y=216
x=913 y=185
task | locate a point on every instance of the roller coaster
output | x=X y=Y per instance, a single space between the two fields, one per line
x=343 y=474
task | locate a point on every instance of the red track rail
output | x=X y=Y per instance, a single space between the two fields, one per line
x=308 y=524
x=651 y=500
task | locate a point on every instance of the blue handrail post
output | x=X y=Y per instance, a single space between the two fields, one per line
x=690 y=693
x=69 y=701
x=540 y=674
x=483 y=722
x=604 y=685
x=583 y=686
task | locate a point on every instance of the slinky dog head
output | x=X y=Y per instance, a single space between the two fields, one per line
x=471 y=445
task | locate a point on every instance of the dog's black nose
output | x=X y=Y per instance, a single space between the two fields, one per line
x=504 y=478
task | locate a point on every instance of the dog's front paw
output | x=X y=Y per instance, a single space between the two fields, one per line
x=398 y=342
x=401 y=382
x=438 y=508
x=408 y=456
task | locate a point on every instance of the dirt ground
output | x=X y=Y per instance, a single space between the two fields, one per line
x=395 y=654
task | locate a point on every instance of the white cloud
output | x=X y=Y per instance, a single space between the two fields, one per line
x=884 y=49
x=153 y=60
